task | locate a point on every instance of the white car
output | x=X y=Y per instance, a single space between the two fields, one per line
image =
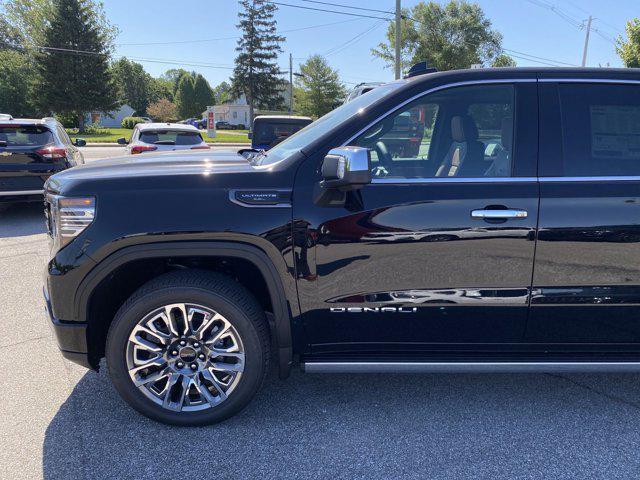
x=163 y=137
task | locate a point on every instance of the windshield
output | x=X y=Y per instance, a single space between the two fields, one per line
x=308 y=134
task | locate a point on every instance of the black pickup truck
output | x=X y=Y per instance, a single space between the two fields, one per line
x=464 y=221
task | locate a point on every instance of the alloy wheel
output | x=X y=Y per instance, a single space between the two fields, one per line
x=185 y=357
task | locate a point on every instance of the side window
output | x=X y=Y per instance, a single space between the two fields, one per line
x=600 y=129
x=458 y=132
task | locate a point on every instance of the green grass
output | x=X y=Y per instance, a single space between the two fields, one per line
x=111 y=135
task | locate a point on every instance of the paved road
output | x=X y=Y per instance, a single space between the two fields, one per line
x=59 y=421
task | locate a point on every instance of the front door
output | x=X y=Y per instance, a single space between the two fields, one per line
x=439 y=248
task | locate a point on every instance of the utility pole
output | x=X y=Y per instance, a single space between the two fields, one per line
x=586 y=42
x=290 y=84
x=398 y=38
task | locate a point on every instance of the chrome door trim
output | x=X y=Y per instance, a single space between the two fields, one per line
x=397 y=181
x=21 y=192
x=469 y=367
x=436 y=89
x=587 y=80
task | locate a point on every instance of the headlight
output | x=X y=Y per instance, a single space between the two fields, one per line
x=68 y=217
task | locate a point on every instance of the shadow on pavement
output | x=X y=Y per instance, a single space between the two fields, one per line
x=21 y=219
x=359 y=426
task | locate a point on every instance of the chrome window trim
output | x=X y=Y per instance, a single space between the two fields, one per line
x=588 y=80
x=400 y=181
x=436 y=89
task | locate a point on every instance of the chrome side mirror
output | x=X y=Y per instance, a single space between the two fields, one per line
x=346 y=168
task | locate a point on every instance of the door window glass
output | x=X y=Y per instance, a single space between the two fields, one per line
x=600 y=129
x=458 y=132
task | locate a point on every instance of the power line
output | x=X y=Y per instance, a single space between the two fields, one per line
x=326 y=10
x=353 y=40
x=348 y=6
x=559 y=12
x=77 y=52
x=555 y=62
x=205 y=40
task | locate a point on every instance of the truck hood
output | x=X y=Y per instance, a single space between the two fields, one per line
x=155 y=165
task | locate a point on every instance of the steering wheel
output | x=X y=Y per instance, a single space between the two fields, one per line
x=384 y=157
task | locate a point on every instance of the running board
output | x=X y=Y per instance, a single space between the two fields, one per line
x=469 y=367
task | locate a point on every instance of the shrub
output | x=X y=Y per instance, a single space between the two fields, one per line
x=95 y=129
x=130 y=122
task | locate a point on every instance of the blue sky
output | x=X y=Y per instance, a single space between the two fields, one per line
x=542 y=28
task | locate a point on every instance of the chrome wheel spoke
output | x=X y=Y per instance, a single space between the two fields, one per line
x=206 y=394
x=209 y=319
x=214 y=382
x=152 y=378
x=177 y=327
x=145 y=344
x=228 y=367
x=219 y=335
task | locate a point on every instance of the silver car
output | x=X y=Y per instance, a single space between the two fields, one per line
x=163 y=137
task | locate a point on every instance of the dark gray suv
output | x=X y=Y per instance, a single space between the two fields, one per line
x=31 y=151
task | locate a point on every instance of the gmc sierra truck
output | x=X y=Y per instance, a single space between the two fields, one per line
x=465 y=221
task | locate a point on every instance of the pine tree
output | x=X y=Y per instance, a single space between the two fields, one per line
x=256 y=69
x=185 y=97
x=75 y=80
x=319 y=88
x=203 y=95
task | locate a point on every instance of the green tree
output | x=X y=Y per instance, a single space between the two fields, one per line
x=160 y=88
x=71 y=82
x=134 y=84
x=629 y=49
x=222 y=93
x=448 y=37
x=16 y=72
x=203 y=95
x=503 y=60
x=173 y=76
x=31 y=18
x=319 y=89
x=185 y=97
x=256 y=70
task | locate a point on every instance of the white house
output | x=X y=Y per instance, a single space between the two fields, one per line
x=235 y=113
x=110 y=119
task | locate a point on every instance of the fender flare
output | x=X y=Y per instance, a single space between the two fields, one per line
x=281 y=303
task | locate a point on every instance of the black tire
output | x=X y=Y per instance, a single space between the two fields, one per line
x=213 y=290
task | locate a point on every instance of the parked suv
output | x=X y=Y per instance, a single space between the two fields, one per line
x=465 y=221
x=163 y=137
x=30 y=152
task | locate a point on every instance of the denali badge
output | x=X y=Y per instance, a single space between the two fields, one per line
x=374 y=310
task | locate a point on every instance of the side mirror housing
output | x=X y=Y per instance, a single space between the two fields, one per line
x=122 y=141
x=80 y=142
x=346 y=168
x=249 y=135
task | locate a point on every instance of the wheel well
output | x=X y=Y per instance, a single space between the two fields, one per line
x=120 y=284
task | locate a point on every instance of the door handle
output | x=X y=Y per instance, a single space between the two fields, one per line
x=499 y=214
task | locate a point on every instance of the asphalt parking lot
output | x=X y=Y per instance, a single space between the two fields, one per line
x=59 y=421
